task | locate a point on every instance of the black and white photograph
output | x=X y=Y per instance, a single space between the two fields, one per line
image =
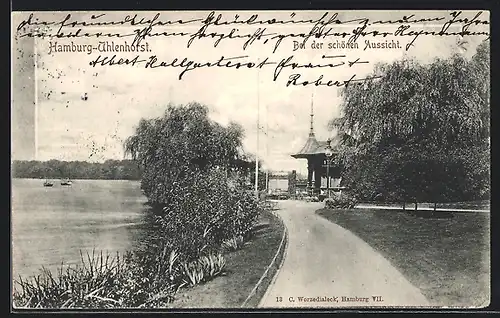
x=250 y=160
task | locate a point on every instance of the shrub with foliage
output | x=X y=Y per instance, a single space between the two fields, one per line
x=205 y=268
x=341 y=202
x=190 y=165
x=233 y=244
x=203 y=213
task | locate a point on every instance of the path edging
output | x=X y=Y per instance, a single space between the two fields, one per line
x=282 y=247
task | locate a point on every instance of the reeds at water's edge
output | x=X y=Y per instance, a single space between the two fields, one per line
x=102 y=280
x=72 y=286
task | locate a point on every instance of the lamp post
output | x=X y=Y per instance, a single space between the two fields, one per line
x=329 y=154
x=258 y=129
x=35 y=57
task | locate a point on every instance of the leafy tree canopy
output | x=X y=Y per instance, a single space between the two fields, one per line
x=420 y=131
x=181 y=143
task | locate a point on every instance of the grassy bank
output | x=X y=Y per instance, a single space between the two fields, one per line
x=244 y=268
x=447 y=258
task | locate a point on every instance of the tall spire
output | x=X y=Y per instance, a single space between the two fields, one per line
x=311 y=131
x=312 y=145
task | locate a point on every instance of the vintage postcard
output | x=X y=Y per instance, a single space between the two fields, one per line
x=267 y=159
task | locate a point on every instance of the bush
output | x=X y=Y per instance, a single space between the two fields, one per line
x=234 y=244
x=203 y=213
x=203 y=269
x=341 y=202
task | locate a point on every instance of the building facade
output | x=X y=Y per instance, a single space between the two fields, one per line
x=278 y=181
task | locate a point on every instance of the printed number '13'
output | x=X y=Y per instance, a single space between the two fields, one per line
x=279 y=299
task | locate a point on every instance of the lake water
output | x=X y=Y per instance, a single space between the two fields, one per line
x=53 y=224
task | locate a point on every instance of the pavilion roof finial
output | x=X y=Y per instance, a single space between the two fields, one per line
x=311 y=131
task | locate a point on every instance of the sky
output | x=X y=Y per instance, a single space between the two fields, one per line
x=70 y=128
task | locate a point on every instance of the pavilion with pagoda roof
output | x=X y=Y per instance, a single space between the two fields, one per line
x=318 y=164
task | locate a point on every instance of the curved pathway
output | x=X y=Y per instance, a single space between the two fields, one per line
x=325 y=262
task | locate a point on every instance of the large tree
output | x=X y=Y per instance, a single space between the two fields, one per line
x=420 y=131
x=190 y=166
x=180 y=145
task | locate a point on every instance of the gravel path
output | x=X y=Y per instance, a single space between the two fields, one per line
x=326 y=265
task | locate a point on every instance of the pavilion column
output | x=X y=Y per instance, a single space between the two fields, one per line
x=309 y=174
x=317 y=179
x=313 y=181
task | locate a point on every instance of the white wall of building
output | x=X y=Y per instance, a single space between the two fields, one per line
x=278 y=184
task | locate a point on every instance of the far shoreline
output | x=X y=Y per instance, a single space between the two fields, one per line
x=20 y=178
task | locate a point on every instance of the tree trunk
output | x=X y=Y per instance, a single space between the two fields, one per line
x=404 y=206
x=435 y=206
x=416 y=205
